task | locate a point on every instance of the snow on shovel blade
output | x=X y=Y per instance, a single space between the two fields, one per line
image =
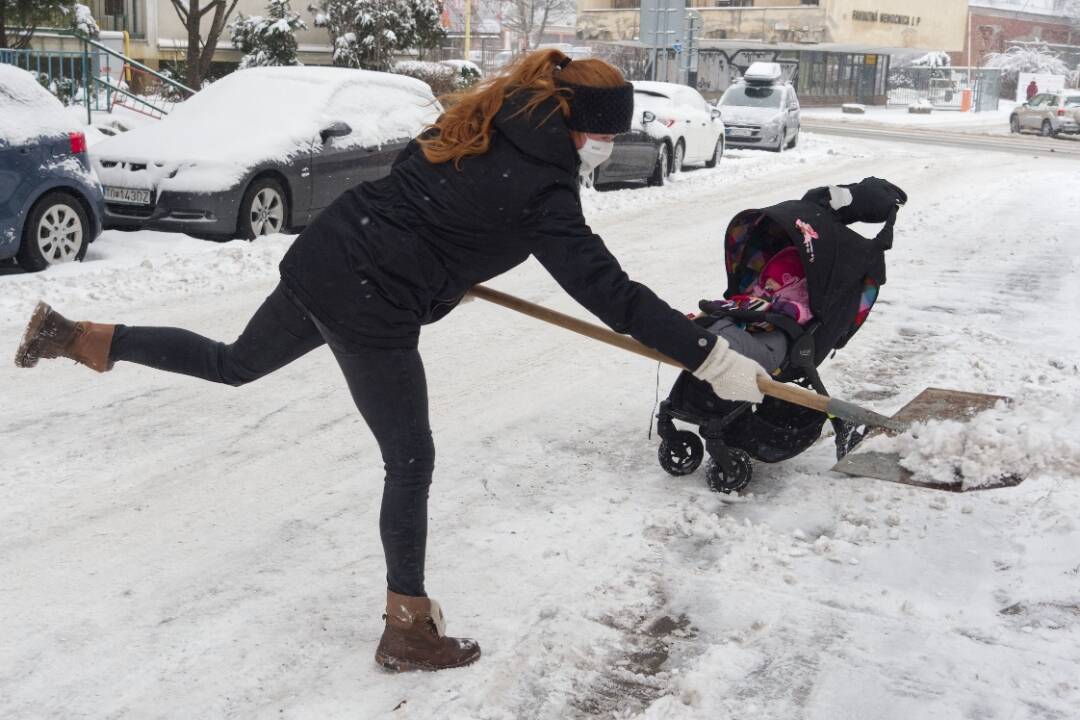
x=930 y=404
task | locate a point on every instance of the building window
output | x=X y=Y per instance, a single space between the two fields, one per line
x=121 y=15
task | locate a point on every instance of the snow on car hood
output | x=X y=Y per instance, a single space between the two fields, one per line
x=741 y=114
x=212 y=140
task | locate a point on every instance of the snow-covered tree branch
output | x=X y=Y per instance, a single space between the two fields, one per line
x=267 y=40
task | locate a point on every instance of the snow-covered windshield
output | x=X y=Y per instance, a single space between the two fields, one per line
x=753 y=96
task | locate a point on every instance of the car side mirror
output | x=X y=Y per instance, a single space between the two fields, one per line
x=647 y=117
x=715 y=113
x=334 y=130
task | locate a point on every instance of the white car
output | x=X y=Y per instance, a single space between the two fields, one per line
x=261 y=150
x=680 y=116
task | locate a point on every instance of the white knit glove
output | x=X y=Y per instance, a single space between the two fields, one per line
x=732 y=376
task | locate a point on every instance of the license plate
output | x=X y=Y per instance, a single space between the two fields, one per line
x=130 y=196
x=740 y=132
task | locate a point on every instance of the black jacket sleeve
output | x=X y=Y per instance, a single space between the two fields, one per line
x=580 y=262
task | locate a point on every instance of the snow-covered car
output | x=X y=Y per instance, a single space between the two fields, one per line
x=260 y=151
x=643 y=153
x=690 y=129
x=761 y=110
x=50 y=200
x=1050 y=113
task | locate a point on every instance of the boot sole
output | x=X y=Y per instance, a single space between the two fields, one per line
x=398 y=665
x=24 y=358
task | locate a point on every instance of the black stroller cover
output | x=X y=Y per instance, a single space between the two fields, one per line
x=844 y=272
x=844 y=269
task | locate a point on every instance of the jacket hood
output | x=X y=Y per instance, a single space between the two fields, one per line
x=541 y=134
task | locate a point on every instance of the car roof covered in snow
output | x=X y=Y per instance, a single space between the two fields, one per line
x=29 y=111
x=653 y=87
x=272 y=113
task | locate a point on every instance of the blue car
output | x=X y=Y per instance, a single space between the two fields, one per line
x=50 y=199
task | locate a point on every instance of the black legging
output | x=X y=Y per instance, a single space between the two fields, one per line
x=387 y=385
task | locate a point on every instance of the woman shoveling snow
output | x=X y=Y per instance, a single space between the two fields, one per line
x=494 y=181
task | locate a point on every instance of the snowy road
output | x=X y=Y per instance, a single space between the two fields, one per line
x=1023 y=144
x=170 y=549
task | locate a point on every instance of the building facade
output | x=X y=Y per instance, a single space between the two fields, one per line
x=834 y=51
x=997 y=25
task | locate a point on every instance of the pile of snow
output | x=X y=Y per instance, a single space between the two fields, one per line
x=27 y=110
x=211 y=140
x=1009 y=440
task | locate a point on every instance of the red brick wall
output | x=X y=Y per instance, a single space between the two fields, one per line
x=994 y=33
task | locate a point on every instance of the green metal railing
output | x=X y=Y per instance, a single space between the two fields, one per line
x=85 y=76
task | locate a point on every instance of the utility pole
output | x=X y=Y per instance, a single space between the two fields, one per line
x=468 y=28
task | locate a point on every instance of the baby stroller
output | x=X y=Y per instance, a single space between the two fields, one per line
x=843 y=273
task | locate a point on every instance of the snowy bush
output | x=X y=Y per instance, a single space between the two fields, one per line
x=1015 y=60
x=933 y=59
x=267 y=40
x=442 y=78
x=1035 y=59
x=368 y=33
x=83 y=22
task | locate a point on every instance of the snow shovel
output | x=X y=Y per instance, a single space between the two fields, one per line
x=781 y=391
x=932 y=403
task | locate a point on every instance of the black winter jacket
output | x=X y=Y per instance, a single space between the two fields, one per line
x=391 y=255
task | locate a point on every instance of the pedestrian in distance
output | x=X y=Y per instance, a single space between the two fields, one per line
x=493 y=181
x=1032 y=90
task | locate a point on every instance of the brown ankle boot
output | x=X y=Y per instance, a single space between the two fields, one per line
x=414 y=637
x=51 y=335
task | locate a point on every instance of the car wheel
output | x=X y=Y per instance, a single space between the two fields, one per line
x=1014 y=124
x=794 y=140
x=717 y=153
x=264 y=209
x=660 y=170
x=57 y=230
x=677 y=158
x=1047 y=129
x=782 y=142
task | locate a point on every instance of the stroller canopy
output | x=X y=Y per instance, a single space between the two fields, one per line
x=843 y=269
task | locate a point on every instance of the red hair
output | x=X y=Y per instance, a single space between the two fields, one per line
x=465 y=127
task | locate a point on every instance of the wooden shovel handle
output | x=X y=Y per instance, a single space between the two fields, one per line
x=781 y=391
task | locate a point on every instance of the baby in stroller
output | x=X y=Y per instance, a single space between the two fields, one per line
x=800 y=284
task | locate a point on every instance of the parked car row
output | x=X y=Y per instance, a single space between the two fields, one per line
x=674 y=127
x=228 y=162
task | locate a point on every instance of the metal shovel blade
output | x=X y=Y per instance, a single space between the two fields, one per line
x=930 y=404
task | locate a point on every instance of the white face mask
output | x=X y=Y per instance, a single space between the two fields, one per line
x=593 y=153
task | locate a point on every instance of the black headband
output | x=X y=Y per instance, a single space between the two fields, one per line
x=600 y=110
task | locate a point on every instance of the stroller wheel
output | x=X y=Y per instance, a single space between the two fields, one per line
x=742 y=469
x=681 y=454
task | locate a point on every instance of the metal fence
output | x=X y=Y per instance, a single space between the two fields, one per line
x=99 y=78
x=944 y=88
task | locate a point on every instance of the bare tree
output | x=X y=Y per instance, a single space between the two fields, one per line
x=201 y=53
x=529 y=18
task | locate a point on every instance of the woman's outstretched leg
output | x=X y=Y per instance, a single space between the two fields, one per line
x=279 y=332
x=390 y=390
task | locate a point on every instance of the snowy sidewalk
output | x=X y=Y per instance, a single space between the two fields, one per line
x=992 y=123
